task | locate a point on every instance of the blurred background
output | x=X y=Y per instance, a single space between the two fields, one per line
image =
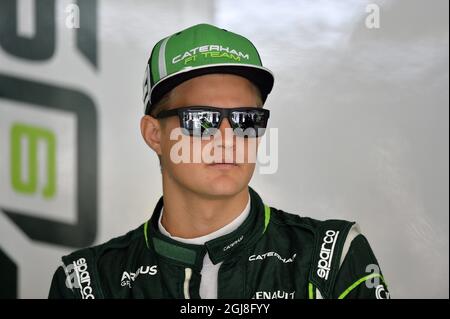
x=360 y=101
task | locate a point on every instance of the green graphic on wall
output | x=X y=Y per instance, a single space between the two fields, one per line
x=33 y=150
x=32 y=135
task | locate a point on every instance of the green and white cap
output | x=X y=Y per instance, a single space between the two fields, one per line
x=198 y=50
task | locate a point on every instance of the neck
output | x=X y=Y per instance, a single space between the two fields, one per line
x=189 y=214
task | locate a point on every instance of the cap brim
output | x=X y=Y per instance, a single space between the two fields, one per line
x=260 y=76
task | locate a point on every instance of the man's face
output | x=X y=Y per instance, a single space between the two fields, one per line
x=219 y=90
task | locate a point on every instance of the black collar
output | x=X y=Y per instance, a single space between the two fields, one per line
x=219 y=249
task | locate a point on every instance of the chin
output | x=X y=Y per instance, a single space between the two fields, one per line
x=224 y=188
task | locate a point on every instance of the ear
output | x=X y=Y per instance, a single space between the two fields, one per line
x=151 y=132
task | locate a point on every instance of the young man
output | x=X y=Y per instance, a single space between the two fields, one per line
x=211 y=235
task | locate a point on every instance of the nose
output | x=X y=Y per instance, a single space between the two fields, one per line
x=226 y=137
x=225 y=124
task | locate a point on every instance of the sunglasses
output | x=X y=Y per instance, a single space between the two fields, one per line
x=206 y=120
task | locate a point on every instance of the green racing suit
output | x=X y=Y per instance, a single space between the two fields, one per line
x=273 y=254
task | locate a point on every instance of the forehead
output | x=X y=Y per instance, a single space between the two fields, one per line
x=223 y=90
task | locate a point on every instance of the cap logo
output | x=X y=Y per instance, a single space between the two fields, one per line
x=210 y=51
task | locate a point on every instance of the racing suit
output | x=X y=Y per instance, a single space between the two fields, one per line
x=272 y=254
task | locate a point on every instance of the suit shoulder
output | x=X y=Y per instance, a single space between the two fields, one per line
x=285 y=219
x=83 y=274
x=113 y=246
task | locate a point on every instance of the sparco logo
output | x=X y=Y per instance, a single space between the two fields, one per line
x=78 y=277
x=326 y=254
x=129 y=277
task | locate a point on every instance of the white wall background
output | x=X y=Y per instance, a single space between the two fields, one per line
x=362 y=117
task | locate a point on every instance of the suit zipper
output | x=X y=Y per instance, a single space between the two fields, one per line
x=187 y=279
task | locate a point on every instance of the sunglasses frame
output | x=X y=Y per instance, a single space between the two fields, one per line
x=224 y=113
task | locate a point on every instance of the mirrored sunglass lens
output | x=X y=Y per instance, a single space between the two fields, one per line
x=200 y=122
x=252 y=122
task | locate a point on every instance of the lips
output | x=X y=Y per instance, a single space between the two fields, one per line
x=223 y=165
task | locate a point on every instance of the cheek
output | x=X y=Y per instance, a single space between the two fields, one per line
x=247 y=170
x=168 y=126
x=246 y=149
